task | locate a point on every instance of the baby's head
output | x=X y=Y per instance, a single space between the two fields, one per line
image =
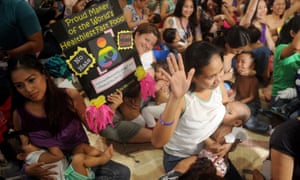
x=245 y=61
x=14 y=139
x=170 y=35
x=157 y=66
x=237 y=114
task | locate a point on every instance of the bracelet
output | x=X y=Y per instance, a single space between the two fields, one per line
x=164 y=123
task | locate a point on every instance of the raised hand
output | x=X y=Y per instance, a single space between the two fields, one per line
x=179 y=82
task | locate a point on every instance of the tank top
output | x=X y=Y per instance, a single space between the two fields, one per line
x=199 y=121
x=262 y=37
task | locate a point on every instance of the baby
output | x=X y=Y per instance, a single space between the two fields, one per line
x=84 y=157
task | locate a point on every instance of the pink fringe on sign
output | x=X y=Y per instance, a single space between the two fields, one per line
x=147 y=87
x=98 y=118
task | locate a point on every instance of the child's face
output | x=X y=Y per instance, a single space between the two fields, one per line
x=159 y=75
x=211 y=76
x=30 y=83
x=244 y=63
x=232 y=114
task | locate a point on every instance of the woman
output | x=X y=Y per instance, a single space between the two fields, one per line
x=136 y=13
x=184 y=19
x=51 y=116
x=280 y=11
x=256 y=11
x=193 y=112
x=146 y=36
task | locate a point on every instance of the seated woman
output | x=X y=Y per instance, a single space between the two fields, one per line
x=279 y=12
x=184 y=20
x=145 y=37
x=136 y=13
x=47 y=122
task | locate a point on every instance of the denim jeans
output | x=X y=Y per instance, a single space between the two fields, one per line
x=112 y=171
x=170 y=161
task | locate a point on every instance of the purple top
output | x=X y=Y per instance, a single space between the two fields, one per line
x=38 y=131
x=262 y=37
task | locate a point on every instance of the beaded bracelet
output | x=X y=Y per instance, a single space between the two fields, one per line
x=164 y=123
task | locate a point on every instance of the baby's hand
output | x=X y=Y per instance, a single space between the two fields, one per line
x=108 y=154
x=223 y=150
x=115 y=99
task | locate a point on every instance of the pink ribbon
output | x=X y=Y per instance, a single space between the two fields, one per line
x=98 y=118
x=147 y=87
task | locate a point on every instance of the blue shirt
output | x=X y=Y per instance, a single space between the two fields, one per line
x=18 y=21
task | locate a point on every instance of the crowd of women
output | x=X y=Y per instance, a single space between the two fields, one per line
x=202 y=54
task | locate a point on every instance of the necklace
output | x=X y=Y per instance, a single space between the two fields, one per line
x=139 y=17
x=186 y=30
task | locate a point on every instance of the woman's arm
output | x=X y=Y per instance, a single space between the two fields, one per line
x=33 y=44
x=179 y=84
x=246 y=19
x=53 y=154
x=128 y=17
x=228 y=14
x=169 y=22
x=16 y=121
x=293 y=47
x=269 y=39
x=163 y=9
x=40 y=170
x=282 y=165
x=78 y=103
x=290 y=11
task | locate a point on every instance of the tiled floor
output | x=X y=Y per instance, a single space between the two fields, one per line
x=145 y=162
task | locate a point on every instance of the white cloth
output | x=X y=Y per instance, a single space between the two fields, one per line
x=152 y=112
x=288 y=93
x=236 y=133
x=198 y=122
x=60 y=167
x=147 y=59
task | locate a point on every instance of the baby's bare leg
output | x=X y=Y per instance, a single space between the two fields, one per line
x=87 y=149
x=82 y=161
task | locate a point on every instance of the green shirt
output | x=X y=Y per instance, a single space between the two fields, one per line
x=284 y=70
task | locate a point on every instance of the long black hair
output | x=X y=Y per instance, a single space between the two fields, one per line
x=198 y=55
x=192 y=19
x=285 y=33
x=58 y=105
